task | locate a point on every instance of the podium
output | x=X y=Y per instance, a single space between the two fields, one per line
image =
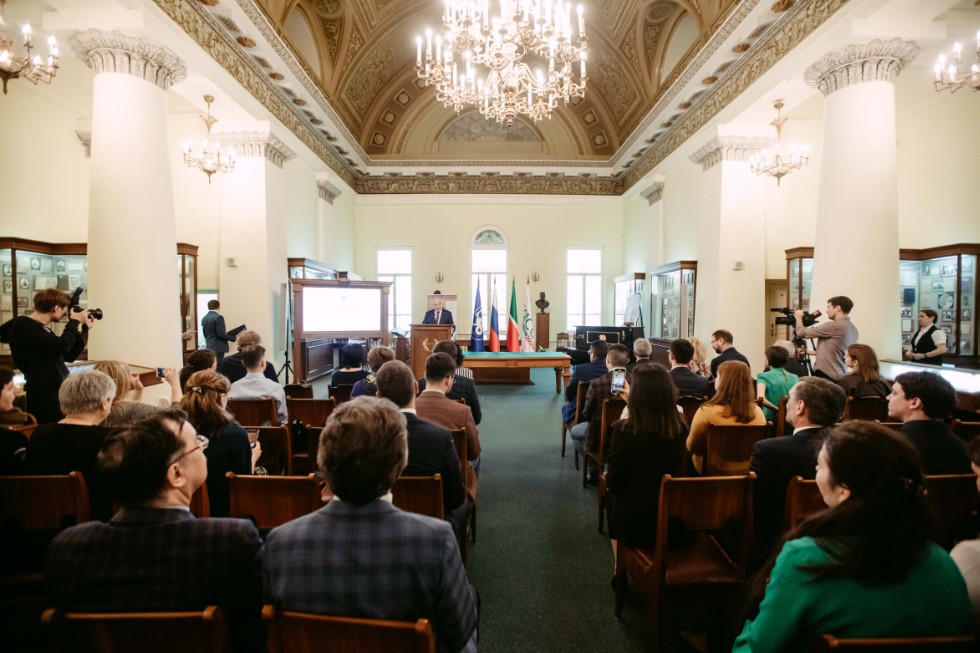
x=424 y=338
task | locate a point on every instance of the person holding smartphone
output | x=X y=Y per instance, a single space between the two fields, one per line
x=586 y=433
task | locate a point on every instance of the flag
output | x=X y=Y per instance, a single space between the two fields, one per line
x=527 y=342
x=494 y=327
x=513 y=331
x=476 y=331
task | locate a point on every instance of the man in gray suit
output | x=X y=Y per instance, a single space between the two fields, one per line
x=215 y=337
x=361 y=556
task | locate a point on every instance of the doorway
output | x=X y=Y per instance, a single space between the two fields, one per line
x=777 y=292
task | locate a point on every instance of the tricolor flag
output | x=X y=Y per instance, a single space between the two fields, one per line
x=527 y=341
x=513 y=331
x=494 y=327
x=476 y=331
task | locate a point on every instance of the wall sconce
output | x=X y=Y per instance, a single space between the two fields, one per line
x=439 y=277
x=535 y=277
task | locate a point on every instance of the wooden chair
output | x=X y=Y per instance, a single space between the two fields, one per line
x=341 y=393
x=148 y=632
x=781 y=417
x=271 y=501
x=254 y=412
x=729 y=448
x=964 y=644
x=869 y=408
x=300 y=632
x=895 y=426
x=298 y=391
x=26 y=429
x=200 y=504
x=277 y=449
x=313 y=415
x=966 y=431
x=953 y=498
x=688 y=569
x=803 y=499
x=419 y=494
x=611 y=411
x=459 y=443
x=580 y=391
x=690 y=406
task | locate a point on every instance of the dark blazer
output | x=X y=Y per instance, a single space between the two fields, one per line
x=215 y=337
x=463 y=388
x=233 y=368
x=599 y=390
x=372 y=561
x=437 y=408
x=61 y=448
x=730 y=354
x=150 y=559
x=941 y=451
x=688 y=383
x=581 y=373
x=431 y=451
x=444 y=318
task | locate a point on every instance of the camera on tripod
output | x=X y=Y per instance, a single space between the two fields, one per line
x=789 y=317
x=73 y=306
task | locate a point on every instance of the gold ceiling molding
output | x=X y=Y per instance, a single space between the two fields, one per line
x=511 y=185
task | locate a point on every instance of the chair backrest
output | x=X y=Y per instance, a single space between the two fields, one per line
x=901 y=645
x=869 y=408
x=612 y=410
x=781 y=417
x=271 y=501
x=26 y=429
x=187 y=632
x=803 y=499
x=291 y=632
x=895 y=426
x=729 y=448
x=313 y=413
x=44 y=503
x=690 y=406
x=277 y=449
x=341 y=393
x=298 y=391
x=459 y=443
x=581 y=391
x=254 y=412
x=966 y=431
x=953 y=499
x=200 y=504
x=419 y=494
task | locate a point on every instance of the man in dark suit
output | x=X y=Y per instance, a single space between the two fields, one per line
x=430 y=447
x=812 y=405
x=438 y=315
x=583 y=373
x=155 y=555
x=688 y=383
x=463 y=388
x=232 y=366
x=721 y=342
x=920 y=400
x=361 y=556
x=585 y=434
x=215 y=337
x=642 y=350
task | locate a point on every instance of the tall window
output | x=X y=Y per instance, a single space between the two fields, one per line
x=584 y=287
x=395 y=265
x=489 y=265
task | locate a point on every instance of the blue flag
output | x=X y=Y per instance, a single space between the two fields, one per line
x=476 y=331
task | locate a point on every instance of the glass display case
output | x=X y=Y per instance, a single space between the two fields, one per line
x=799 y=275
x=628 y=298
x=187 y=273
x=305 y=268
x=672 y=295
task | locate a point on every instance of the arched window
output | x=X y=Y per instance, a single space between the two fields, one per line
x=489 y=267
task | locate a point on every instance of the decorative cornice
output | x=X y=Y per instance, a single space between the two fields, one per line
x=517 y=185
x=257 y=144
x=85 y=138
x=655 y=193
x=112 y=52
x=877 y=61
x=327 y=191
x=729 y=148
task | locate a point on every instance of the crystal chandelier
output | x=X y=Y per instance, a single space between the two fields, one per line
x=523 y=61
x=25 y=67
x=953 y=75
x=210 y=159
x=774 y=163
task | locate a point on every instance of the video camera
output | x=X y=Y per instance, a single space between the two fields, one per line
x=789 y=317
x=73 y=306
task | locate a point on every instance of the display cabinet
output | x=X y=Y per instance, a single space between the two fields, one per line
x=672 y=296
x=799 y=275
x=187 y=272
x=305 y=268
x=628 y=298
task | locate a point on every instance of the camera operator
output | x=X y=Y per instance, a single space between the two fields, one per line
x=833 y=338
x=40 y=354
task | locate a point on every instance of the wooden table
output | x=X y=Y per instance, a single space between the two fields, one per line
x=507 y=367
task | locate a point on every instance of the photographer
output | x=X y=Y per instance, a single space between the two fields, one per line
x=41 y=355
x=833 y=338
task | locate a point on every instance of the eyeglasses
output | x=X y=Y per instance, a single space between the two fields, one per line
x=202 y=444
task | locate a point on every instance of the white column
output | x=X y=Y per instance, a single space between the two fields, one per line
x=132 y=241
x=856 y=248
x=731 y=246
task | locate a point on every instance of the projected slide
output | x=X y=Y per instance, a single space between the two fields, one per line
x=341 y=309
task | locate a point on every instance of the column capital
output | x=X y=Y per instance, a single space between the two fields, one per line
x=85 y=138
x=327 y=191
x=730 y=148
x=257 y=144
x=876 y=61
x=113 y=52
x=654 y=193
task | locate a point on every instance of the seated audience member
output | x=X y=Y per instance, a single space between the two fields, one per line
x=154 y=555
x=699 y=364
x=13 y=444
x=921 y=400
x=814 y=404
x=72 y=443
x=583 y=373
x=376 y=358
x=457 y=353
x=430 y=447
x=228 y=448
x=10 y=415
x=463 y=386
x=866 y=567
x=360 y=556
x=351 y=366
x=732 y=403
x=202 y=359
x=254 y=385
x=585 y=434
x=688 y=383
x=721 y=342
x=774 y=383
x=863 y=378
x=434 y=406
x=793 y=364
x=126 y=405
x=642 y=350
x=966 y=554
x=232 y=366
x=643 y=447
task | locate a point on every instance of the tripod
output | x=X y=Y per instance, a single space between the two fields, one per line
x=286 y=367
x=804 y=359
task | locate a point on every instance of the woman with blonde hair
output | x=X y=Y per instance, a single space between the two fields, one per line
x=863 y=378
x=732 y=403
x=228 y=448
x=699 y=364
x=127 y=407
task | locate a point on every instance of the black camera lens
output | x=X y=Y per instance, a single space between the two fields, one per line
x=96 y=313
